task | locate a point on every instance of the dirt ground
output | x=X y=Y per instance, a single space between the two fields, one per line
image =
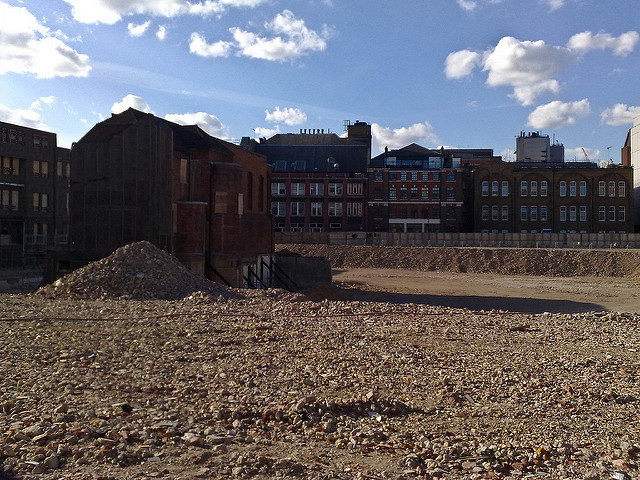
x=525 y=294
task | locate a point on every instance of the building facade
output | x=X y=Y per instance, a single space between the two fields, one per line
x=34 y=189
x=138 y=177
x=414 y=189
x=631 y=157
x=319 y=179
x=533 y=147
x=574 y=197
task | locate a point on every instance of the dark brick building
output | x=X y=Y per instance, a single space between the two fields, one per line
x=139 y=177
x=319 y=179
x=34 y=188
x=414 y=189
x=573 y=197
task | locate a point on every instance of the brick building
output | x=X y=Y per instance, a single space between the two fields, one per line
x=319 y=179
x=415 y=189
x=139 y=177
x=538 y=197
x=34 y=187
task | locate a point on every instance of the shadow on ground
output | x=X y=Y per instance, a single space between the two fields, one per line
x=512 y=304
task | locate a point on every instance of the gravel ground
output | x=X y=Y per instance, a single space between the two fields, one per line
x=271 y=386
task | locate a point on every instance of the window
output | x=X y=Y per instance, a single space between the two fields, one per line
x=298 y=189
x=9 y=199
x=354 y=209
x=523 y=189
x=414 y=176
x=612 y=213
x=563 y=214
x=583 y=213
x=573 y=211
x=316 y=189
x=425 y=193
x=300 y=165
x=612 y=189
x=403 y=193
x=297 y=209
x=494 y=189
x=505 y=213
x=583 y=188
x=451 y=177
x=534 y=213
x=10 y=166
x=316 y=228
x=544 y=188
x=622 y=214
x=485 y=189
x=602 y=213
x=68 y=170
x=278 y=189
x=393 y=176
x=184 y=170
x=534 y=188
x=436 y=193
x=354 y=188
x=335 y=209
x=543 y=213
x=335 y=189
x=523 y=213
x=602 y=189
x=392 y=193
x=622 y=187
x=436 y=176
x=40 y=169
x=485 y=212
x=316 y=209
x=451 y=193
x=278 y=209
x=414 y=192
x=40 y=201
x=563 y=189
x=403 y=176
x=495 y=213
x=378 y=176
x=505 y=189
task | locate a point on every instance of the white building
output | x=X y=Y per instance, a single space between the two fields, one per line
x=634 y=137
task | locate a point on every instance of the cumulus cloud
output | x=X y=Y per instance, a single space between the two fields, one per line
x=530 y=68
x=112 y=11
x=262 y=132
x=27 y=46
x=37 y=104
x=468 y=5
x=621 y=46
x=137 y=30
x=471 y=5
x=558 y=114
x=554 y=4
x=207 y=122
x=130 y=101
x=198 y=45
x=290 y=116
x=27 y=117
x=401 y=137
x=161 y=33
x=620 y=114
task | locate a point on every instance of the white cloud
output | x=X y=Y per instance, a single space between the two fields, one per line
x=207 y=122
x=620 y=114
x=37 y=104
x=137 y=30
x=199 y=46
x=467 y=5
x=577 y=155
x=587 y=41
x=26 y=117
x=554 y=4
x=262 y=132
x=130 y=101
x=471 y=5
x=112 y=11
x=290 y=116
x=558 y=114
x=401 y=137
x=161 y=33
x=461 y=64
x=27 y=46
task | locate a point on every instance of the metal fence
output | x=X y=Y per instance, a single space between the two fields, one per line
x=509 y=240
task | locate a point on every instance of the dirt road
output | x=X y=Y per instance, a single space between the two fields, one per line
x=485 y=292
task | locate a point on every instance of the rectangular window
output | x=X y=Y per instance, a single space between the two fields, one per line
x=404 y=193
x=335 y=209
x=494 y=189
x=612 y=213
x=534 y=214
x=68 y=170
x=572 y=189
x=299 y=165
x=573 y=213
x=523 y=213
x=583 y=213
x=544 y=188
x=403 y=176
x=602 y=189
x=485 y=189
x=436 y=193
x=414 y=176
x=425 y=193
x=297 y=209
x=451 y=193
x=59 y=171
x=316 y=209
x=485 y=212
x=622 y=214
x=602 y=213
x=612 y=189
x=495 y=213
x=505 y=189
x=451 y=176
x=354 y=209
x=184 y=171
x=622 y=189
x=278 y=209
x=378 y=176
x=10 y=166
x=543 y=213
x=335 y=189
x=523 y=189
x=534 y=188
x=392 y=193
x=393 y=176
x=298 y=189
x=278 y=188
x=436 y=176
x=316 y=189
x=563 y=214
x=354 y=189
x=505 y=213
x=414 y=193
x=583 y=188
x=563 y=189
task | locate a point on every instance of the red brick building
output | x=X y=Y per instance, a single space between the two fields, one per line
x=138 y=177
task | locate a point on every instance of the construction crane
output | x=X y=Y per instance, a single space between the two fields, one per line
x=585 y=154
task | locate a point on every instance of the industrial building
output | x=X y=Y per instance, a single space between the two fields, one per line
x=415 y=189
x=139 y=177
x=319 y=179
x=34 y=188
x=631 y=157
x=533 y=147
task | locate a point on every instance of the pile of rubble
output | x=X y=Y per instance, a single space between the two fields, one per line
x=137 y=271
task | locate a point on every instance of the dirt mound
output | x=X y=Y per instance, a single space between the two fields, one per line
x=137 y=271
x=503 y=261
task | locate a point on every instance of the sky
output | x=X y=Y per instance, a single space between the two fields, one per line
x=458 y=73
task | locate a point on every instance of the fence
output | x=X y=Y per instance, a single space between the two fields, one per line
x=512 y=240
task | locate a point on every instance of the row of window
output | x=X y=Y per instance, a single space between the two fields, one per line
x=536 y=213
x=40 y=141
x=414 y=193
x=10 y=200
x=415 y=176
x=530 y=189
x=10 y=135
x=11 y=166
x=335 y=209
x=300 y=227
x=316 y=189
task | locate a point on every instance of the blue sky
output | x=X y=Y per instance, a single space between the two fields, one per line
x=463 y=73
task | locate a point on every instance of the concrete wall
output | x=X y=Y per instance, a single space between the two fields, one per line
x=305 y=272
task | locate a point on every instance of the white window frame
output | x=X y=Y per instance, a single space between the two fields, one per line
x=297 y=209
x=602 y=213
x=583 y=188
x=533 y=213
x=505 y=189
x=563 y=188
x=524 y=213
x=495 y=189
x=495 y=213
x=583 y=213
x=505 y=213
x=298 y=189
x=524 y=188
x=563 y=213
x=622 y=214
x=544 y=212
x=278 y=188
x=534 y=188
x=485 y=212
x=335 y=209
x=622 y=189
x=544 y=188
x=335 y=189
x=573 y=213
x=279 y=209
x=485 y=189
x=316 y=209
x=316 y=189
x=612 y=189
x=602 y=189
x=573 y=188
x=612 y=213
